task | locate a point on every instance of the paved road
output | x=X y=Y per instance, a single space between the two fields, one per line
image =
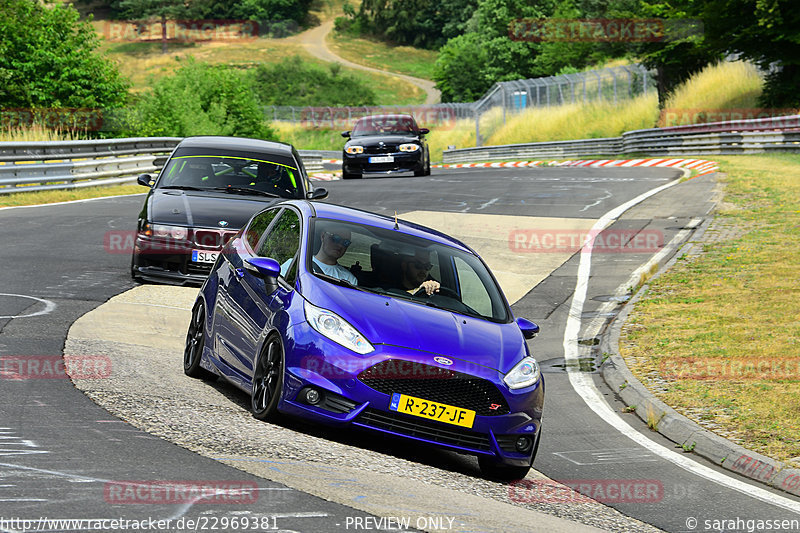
x=60 y=449
x=61 y=456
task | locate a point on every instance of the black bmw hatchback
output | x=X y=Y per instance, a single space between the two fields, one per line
x=385 y=144
x=208 y=189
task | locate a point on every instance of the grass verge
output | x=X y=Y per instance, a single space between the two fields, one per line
x=376 y=54
x=718 y=336
x=52 y=197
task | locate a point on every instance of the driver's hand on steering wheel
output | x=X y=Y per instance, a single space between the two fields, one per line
x=430 y=286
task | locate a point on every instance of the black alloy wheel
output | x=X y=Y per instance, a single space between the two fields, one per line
x=195 y=341
x=267 y=380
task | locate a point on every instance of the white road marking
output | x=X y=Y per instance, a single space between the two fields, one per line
x=48 y=306
x=583 y=385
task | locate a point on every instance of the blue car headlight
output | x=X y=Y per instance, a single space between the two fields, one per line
x=337 y=329
x=524 y=374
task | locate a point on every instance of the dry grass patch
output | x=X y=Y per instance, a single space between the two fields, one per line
x=402 y=59
x=719 y=334
x=578 y=121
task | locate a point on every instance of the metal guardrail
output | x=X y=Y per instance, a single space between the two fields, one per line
x=775 y=134
x=49 y=165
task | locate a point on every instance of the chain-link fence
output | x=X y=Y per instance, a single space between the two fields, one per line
x=609 y=84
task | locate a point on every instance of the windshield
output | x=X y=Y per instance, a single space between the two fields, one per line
x=385 y=125
x=395 y=264
x=237 y=174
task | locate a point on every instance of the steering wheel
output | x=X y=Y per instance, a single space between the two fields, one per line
x=443 y=291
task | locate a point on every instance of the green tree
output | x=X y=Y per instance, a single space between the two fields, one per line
x=162 y=10
x=766 y=32
x=48 y=58
x=293 y=82
x=201 y=99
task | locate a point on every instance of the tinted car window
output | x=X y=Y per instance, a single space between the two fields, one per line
x=380 y=258
x=258 y=226
x=283 y=239
x=388 y=125
x=210 y=172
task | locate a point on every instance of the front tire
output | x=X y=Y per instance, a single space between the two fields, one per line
x=195 y=342
x=267 y=380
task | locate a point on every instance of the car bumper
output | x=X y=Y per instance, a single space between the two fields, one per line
x=173 y=265
x=347 y=401
x=402 y=162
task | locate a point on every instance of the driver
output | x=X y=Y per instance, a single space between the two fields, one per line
x=415 y=273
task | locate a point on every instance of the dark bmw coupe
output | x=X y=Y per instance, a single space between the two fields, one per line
x=208 y=189
x=385 y=144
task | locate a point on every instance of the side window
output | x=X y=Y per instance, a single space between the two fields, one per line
x=258 y=226
x=473 y=291
x=283 y=239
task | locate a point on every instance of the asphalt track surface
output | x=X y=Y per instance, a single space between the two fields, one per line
x=58 y=450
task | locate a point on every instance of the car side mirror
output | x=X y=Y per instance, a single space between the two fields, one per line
x=346 y=134
x=318 y=194
x=266 y=268
x=144 y=179
x=424 y=131
x=528 y=328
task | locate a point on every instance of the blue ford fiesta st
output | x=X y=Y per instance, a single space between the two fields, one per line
x=349 y=318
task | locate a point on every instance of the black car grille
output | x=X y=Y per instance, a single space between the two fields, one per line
x=211 y=238
x=452 y=435
x=380 y=149
x=199 y=268
x=436 y=384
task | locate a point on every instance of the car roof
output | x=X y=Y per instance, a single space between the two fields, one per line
x=236 y=143
x=349 y=214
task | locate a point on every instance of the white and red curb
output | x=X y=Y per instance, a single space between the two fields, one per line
x=701 y=166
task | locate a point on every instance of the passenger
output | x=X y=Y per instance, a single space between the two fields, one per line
x=335 y=240
x=415 y=273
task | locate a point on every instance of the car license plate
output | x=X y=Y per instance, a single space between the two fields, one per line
x=382 y=159
x=202 y=256
x=432 y=410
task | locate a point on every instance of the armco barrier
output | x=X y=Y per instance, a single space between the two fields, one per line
x=775 y=134
x=46 y=165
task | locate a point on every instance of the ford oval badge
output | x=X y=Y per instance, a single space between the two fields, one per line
x=443 y=361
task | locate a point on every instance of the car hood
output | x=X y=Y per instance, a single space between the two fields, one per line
x=395 y=322
x=370 y=140
x=190 y=208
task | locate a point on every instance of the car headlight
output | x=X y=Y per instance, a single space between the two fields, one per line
x=337 y=329
x=163 y=231
x=524 y=374
x=409 y=147
x=353 y=150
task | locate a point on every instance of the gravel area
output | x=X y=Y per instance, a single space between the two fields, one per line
x=147 y=388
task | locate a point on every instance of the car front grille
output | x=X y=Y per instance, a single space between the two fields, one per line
x=432 y=431
x=212 y=239
x=378 y=149
x=436 y=384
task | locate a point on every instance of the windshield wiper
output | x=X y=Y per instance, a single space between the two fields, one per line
x=183 y=187
x=246 y=190
x=337 y=281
